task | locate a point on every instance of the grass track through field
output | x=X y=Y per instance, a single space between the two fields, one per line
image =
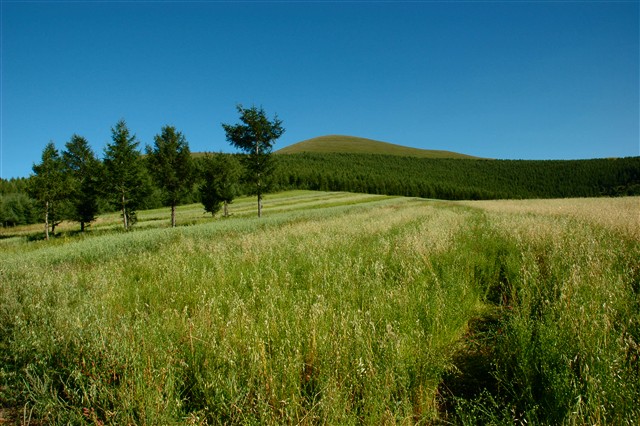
x=362 y=309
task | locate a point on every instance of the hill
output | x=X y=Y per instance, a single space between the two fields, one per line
x=355 y=145
x=449 y=178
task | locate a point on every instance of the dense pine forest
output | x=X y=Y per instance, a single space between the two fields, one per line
x=459 y=179
x=451 y=179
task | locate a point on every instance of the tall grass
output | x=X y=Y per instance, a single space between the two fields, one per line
x=568 y=349
x=340 y=314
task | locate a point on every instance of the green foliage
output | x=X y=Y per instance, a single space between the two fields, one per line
x=13 y=186
x=256 y=138
x=48 y=185
x=443 y=178
x=17 y=209
x=257 y=134
x=334 y=309
x=565 y=350
x=126 y=181
x=171 y=166
x=84 y=173
x=458 y=179
x=220 y=181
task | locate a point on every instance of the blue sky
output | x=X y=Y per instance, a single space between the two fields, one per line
x=496 y=79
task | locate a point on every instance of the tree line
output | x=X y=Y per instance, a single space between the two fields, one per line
x=79 y=186
x=75 y=185
x=458 y=179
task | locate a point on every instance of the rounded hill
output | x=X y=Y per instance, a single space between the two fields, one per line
x=356 y=145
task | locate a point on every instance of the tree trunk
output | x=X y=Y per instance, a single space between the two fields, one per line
x=46 y=220
x=173 y=215
x=258 y=182
x=124 y=213
x=226 y=209
x=81 y=226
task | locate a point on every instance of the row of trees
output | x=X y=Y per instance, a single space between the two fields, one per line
x=219 y=177
x=70 y=185
x=126 y=180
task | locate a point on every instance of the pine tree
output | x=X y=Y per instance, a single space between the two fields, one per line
x=84 y=171
x=171 y=166
x=256 y=138
x=220 y=177
x=126 y=182
x=48 y=186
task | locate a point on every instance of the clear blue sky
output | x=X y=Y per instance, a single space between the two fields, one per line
x=510 y=80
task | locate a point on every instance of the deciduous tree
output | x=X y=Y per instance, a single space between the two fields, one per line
x=171 y=166
x=256 y=137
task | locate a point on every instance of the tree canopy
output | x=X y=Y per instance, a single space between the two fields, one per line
x=48 y=185
x=126 y=182
x=84 y=172
x=220 y=174
x=171 y=166
x=255 y=136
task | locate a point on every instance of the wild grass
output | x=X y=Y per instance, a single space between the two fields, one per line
x=567 y=352
x=331 y=309
x=616 y=214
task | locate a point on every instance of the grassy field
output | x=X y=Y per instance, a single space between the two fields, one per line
x=355 y=145
x=334 y=308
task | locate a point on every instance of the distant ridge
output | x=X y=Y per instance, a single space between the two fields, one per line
x=356 y=145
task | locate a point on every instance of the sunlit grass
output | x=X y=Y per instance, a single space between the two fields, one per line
x=620 y=214
x=333 y=308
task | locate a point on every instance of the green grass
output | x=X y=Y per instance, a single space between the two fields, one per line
x=355 y=145
x=334 y=308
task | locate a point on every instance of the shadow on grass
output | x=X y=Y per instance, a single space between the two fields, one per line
x=472 y=376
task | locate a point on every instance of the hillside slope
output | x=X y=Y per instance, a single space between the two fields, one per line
x=455 y=179
x=356 y=145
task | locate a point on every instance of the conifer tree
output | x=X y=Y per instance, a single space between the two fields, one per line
x=220 y=175
x=256 y=137
x=48 y=186
x=126 y=182
x=84 y=171
x=171 y=166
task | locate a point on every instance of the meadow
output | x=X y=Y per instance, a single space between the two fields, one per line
x=333 y=308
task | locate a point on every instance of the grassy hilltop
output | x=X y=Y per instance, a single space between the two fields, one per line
x=355 y=145
x=334 y=308
x=343 y=163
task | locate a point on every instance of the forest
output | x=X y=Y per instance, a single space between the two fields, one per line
x=459 y=179
x=448 y=179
